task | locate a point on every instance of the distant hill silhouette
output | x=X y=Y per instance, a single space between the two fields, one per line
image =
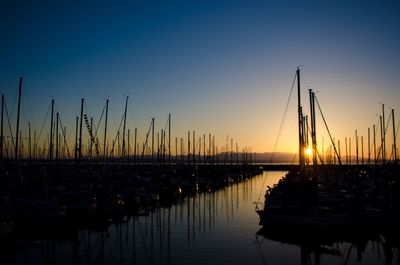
x=267 y=157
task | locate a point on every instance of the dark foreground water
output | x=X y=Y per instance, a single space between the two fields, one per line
x=209 y=228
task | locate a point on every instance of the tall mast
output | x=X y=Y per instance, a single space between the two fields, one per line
x=2 y=129
x=164 y=148
x=176 y=149
x=105 y=134
x=188 y=155
x=80 y=131
x=384 y=134
x=362 y=150
x=194 y=147
x=29 y=141
x=127 y=152
x=394 y=138
x=204 y=148
x=91 y=140
x=51 y=132
x=374 y=131
x=123 y=133
x=369 y=146
x=380 y=121
x=345 y=148
x=356 y=148
x=134 y=151
x=313 y=134
x=18 y=114
x=76 y=139
x=57 y=138
x=169 y=138
x=152 y=140
x=300 y=120
x=350 y=151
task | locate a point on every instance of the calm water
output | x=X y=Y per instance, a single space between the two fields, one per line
x=209 y=228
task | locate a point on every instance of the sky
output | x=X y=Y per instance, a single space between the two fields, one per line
x=219 y=67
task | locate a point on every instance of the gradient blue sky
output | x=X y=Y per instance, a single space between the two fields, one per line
x=220 y=67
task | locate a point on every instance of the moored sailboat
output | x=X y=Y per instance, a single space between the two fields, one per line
x=312 y=199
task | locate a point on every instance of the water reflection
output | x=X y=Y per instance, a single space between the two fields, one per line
x=207 y=228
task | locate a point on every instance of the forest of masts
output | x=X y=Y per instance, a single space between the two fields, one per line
x=161 y=147
x=372 y=150
x=88 y=145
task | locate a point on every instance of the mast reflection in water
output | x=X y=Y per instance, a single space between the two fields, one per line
x=208 y=228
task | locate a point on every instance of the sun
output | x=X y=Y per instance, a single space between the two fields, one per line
x=308 y=151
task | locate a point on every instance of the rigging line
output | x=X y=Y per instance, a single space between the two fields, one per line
x=14 y=102
x=131 y=111
x=388 y=122
x=375 y=132
x=26 y=101
x=118 y=132
x=319 y=156
x=9 y=125
x=98 y=124
x=6 y=149
x=147 y=137
x=380 y=150
x=348 y=254
x=316 y=149
x=278 y=136
x=44 y=121
x=371 y=146
x=166 y=125
x=64 y=136
x=283 y=119
x=330 y=136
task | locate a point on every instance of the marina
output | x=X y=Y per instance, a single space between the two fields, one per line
x=317 y=203
x=199 y=132
x=210 y=227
